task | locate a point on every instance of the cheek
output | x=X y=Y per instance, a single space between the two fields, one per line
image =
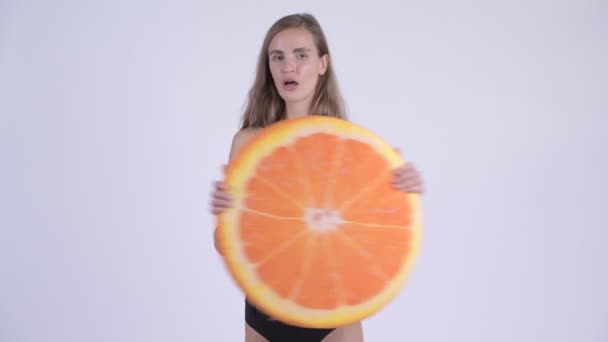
x=275 y=76
x=309 y=71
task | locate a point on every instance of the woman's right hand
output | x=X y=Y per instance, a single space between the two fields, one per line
x=220 y=198
x=220 y=201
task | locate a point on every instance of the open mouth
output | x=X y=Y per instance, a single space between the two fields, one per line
x=290 y=85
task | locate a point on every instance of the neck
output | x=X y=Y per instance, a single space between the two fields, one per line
x=297 y=109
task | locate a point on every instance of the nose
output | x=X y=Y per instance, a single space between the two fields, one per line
x=288 y=66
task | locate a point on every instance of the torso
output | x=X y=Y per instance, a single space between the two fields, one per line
x=349 y=333
x=241 y=138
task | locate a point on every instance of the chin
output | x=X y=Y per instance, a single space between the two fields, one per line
x=294 y=97
x=290 y=98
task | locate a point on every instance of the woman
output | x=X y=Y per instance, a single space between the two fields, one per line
x=294 y=78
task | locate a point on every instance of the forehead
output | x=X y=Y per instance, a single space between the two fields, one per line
x=292 y=38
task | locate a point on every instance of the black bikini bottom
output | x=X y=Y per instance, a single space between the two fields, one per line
x=276 y=331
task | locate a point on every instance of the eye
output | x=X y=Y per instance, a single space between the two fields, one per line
x=276 y=58
x=302 y=55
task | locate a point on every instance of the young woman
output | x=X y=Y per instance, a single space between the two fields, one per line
x=294 y=78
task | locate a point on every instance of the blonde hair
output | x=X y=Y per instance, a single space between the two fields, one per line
x=264 y=104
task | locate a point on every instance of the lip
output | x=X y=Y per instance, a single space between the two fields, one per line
x=290 y=86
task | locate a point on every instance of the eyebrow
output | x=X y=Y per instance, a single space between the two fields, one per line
x=294 y=50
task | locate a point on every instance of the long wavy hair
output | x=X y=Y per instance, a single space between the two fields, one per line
x=264 y=104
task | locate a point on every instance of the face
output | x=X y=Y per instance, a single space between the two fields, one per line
x=295 y=64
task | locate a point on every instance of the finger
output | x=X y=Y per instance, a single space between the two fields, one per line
x=408 y=184
x=219 y=185
x=408 y=169
x=408 y=177
x=400 y=171
x=221 y=200
x=219 y=207
x=401 y=168
x=410 y=181
x=222 y=195
x=223 y=203
x=217 y=211
x=214 y=210
x=416 y=188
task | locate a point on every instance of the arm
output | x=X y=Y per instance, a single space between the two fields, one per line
x=220 y=198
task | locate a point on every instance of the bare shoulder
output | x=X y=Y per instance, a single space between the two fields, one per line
x=241 y=138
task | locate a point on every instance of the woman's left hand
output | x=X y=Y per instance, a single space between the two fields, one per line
x=408 y=179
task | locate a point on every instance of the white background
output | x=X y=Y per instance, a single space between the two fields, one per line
x=116 y=117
